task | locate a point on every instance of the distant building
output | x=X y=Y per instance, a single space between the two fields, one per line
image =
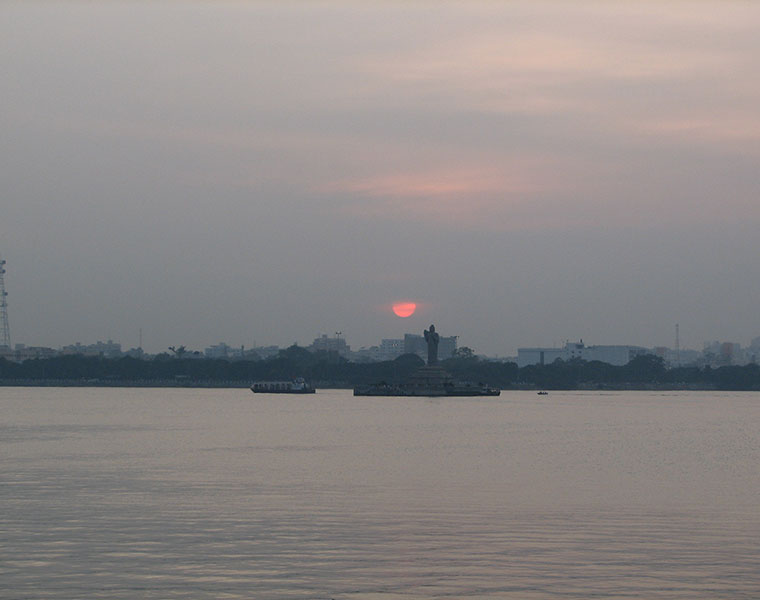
x=683 y=357
x=719 y=354
x=390 y=349
x=416 y=344
x=447 y=346
x=330 y=344
x=752 y=354
x=539 y=356
x=365 y=355
x=264 y=352
x=22 y=352
x=677 y=358
x=220 y=350
x=226 y=352
x=614 y=355
x=31 y=352
x=731 y=353
x=236 y=353
x=109 y=349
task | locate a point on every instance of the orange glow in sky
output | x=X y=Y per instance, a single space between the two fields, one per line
x=404 y=309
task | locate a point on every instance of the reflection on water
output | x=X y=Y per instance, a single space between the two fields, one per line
x=119 y=493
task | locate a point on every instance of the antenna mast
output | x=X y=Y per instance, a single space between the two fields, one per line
x=5 y=330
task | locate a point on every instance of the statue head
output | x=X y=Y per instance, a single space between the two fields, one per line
x=432 y=328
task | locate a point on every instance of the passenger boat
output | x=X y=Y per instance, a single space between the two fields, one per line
x=296 y=386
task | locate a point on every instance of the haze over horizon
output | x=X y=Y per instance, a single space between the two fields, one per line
x=528 y=172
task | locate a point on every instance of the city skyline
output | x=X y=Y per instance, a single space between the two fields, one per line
x=721 y=350
x=526 y=173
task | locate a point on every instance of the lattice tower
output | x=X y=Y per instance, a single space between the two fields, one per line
x=5 y=330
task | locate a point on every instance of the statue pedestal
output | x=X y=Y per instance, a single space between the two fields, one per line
x=429 y=381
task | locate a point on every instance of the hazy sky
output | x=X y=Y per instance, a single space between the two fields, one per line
x=266 y=172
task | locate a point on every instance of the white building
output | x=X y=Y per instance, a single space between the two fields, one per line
x=539 y=356
x=220 y=350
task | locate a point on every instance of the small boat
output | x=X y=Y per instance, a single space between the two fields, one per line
x=543 y=393
x=296 y=386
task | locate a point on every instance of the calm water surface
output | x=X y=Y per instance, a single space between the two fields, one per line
x=166 y=493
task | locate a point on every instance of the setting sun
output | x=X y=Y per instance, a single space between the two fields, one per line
x=404 y=309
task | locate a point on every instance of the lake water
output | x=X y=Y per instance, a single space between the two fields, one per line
x=185 y=493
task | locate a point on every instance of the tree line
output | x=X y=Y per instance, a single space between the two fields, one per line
x=326 y=369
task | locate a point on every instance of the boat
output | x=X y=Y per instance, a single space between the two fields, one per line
x=542 y=393
x=295 y=386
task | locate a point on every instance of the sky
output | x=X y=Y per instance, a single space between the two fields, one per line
x=265 y=172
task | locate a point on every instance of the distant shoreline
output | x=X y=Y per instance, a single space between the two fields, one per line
x=233 y=384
